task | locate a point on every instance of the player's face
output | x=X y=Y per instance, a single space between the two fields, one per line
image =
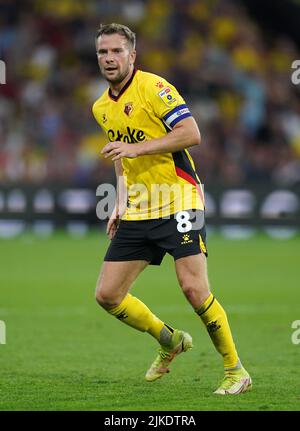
x=115 y=57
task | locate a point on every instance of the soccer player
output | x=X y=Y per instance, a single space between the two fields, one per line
x=149 y=128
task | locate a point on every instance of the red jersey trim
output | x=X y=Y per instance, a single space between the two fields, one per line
x=180 y=173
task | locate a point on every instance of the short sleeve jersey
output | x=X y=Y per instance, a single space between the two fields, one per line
x=158 y=185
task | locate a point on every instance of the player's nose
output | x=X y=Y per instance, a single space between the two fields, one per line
x=109 y=57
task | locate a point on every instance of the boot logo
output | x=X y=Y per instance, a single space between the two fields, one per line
x=121 y=316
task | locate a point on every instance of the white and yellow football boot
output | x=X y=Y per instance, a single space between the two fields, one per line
x=181 y=342
x=235 y=381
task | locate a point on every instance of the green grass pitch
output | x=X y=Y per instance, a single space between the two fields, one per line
x=64 y=353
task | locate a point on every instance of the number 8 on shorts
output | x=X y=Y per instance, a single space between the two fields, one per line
x=183 y=222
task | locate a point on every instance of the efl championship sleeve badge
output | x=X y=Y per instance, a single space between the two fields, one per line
x=168 y=96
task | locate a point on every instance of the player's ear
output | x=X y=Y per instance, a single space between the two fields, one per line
x=132 y=56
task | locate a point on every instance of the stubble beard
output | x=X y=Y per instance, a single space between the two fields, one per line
x=119 y=78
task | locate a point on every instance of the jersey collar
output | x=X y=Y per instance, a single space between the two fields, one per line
x=123 y=89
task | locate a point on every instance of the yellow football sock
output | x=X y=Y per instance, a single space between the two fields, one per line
x=214 y=318
x=136 y=314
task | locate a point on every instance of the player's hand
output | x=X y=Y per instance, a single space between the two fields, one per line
x=112 y=226
x=116 y=150
x=114 y=220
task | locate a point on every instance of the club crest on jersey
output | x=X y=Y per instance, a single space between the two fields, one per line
x=168 y=97
x=128 y=108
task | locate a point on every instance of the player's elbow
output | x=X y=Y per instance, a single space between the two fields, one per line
x=194 y=137
x=193 y=131
x=189 y=132
x=191 y=137
x=197 y=137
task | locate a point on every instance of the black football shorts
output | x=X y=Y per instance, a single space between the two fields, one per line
x=182 y=234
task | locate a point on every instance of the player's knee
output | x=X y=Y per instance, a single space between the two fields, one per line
x=195 y=290
x=102 y=295
x=190 y=291
x=104 y=298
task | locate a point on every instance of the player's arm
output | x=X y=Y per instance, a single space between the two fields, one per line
x=185 y=134
x=121 y=200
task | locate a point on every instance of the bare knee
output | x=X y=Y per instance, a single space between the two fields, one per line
x=115 y=280
x=104 y=300
x=195 y=291
x=105 y=297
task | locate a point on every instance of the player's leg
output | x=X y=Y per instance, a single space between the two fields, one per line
x=127 y=256
x=193 y=279
x=115 y=280
x=112 y=294
x=192 y=276
x=112 y=289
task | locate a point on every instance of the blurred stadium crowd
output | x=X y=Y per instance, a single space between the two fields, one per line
x=235 y=78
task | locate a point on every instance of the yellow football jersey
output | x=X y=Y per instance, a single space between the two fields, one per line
x=148 y=107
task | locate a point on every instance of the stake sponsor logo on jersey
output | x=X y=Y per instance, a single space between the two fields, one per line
x=131 y=137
